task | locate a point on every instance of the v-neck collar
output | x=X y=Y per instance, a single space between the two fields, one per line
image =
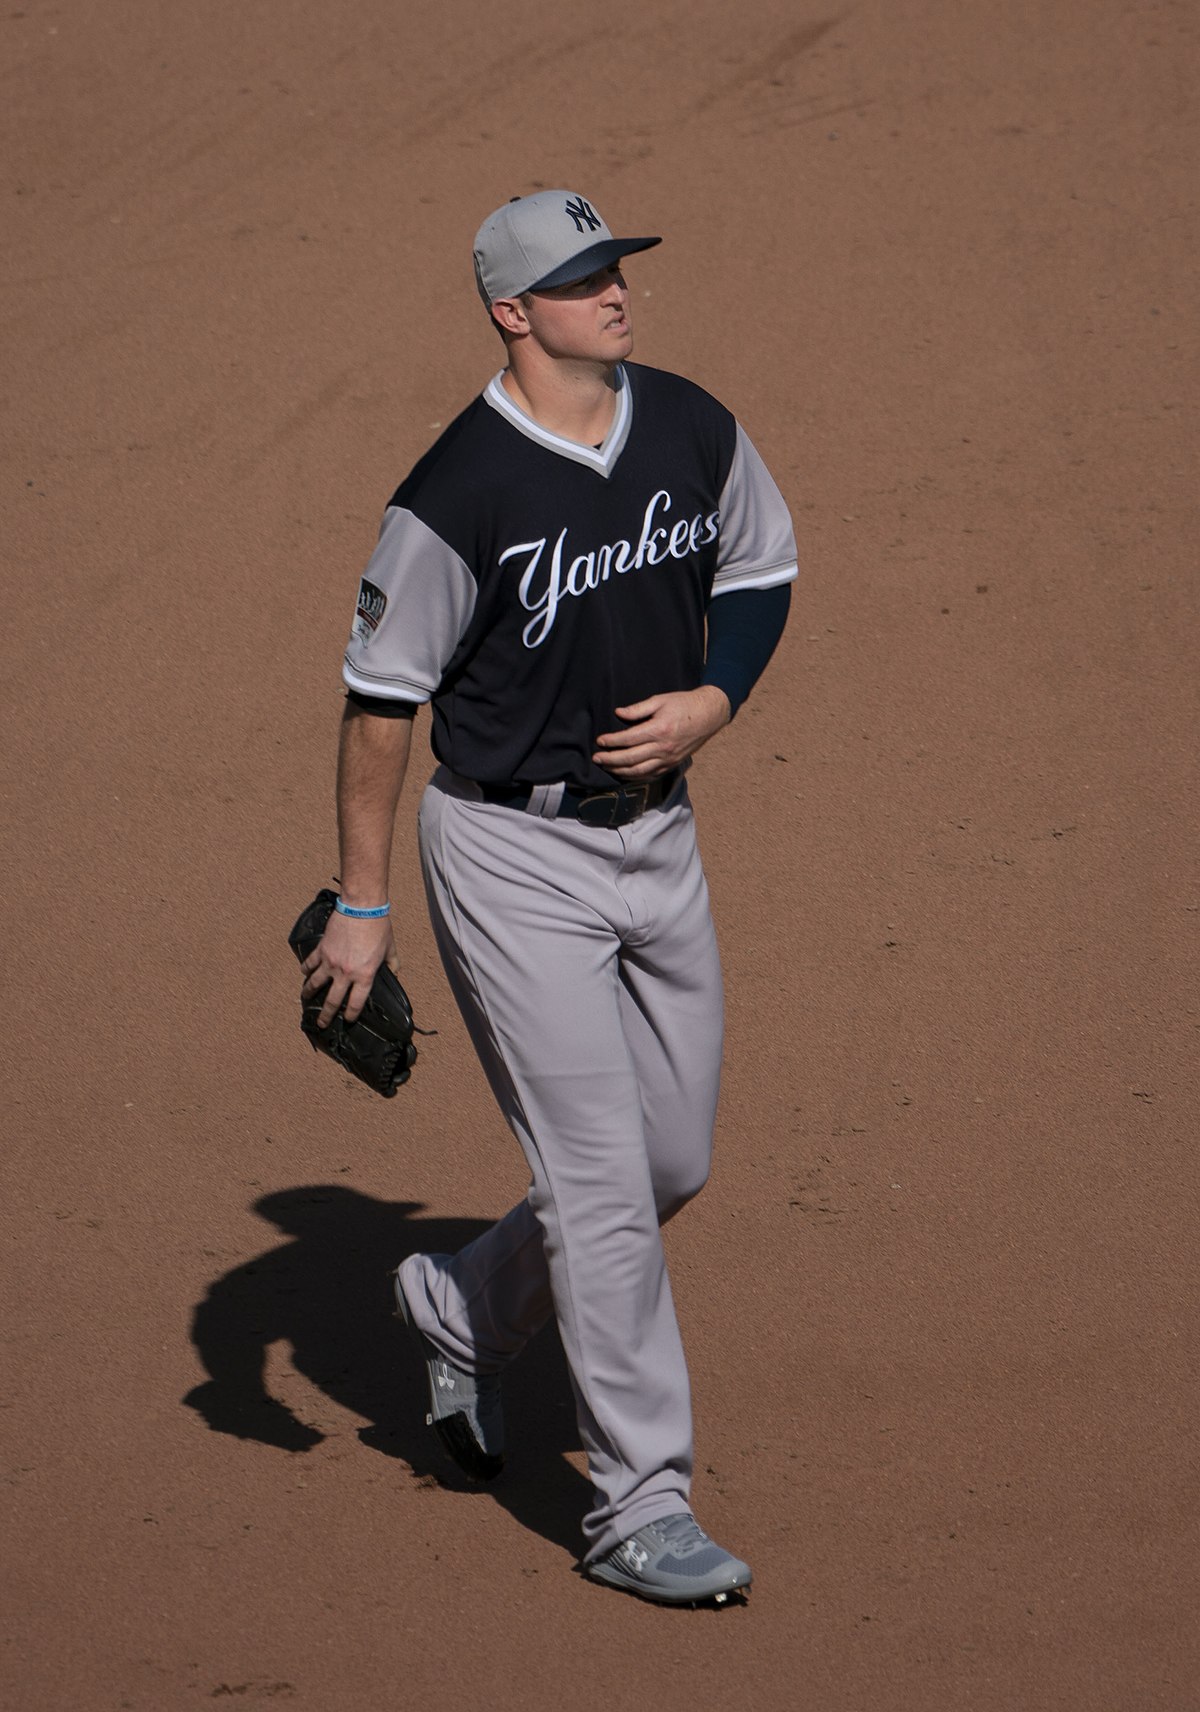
x=602 y=458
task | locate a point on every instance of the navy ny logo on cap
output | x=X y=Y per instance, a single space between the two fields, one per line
x=583 y=214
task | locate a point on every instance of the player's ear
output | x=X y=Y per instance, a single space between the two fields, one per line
x=509 y=315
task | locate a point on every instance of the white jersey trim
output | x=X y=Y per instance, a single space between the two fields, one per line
x=757 y=580
x=385 y=691
x=602 y=459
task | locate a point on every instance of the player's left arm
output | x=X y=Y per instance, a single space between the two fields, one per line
x=756 y=564
x=743 y=631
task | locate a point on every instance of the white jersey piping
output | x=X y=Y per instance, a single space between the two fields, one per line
x=764 y=579
x=602 y=459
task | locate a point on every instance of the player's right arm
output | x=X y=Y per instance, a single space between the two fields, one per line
x=414 y=604
x=372 y=761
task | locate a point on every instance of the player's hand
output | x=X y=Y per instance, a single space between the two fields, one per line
x=346 y=961
x=663 y=731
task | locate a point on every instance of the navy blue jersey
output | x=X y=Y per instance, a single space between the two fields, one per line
x=527 y=586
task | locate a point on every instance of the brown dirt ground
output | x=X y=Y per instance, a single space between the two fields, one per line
x=941 y=1297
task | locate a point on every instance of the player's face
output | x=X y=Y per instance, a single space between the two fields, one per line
x=587 y=319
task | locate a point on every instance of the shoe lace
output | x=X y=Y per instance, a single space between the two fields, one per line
x=681 y=1530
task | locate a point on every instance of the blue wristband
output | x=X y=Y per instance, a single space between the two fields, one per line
x=362 y=914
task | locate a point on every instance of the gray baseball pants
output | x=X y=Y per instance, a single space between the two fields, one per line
x=585 y=965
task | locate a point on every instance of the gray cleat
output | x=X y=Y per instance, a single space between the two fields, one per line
x=673 y=1562
x=464 y=1408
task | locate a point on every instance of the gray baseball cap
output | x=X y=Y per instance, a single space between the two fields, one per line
x=534 y=242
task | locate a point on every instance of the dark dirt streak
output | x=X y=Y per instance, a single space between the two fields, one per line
x=792 y=46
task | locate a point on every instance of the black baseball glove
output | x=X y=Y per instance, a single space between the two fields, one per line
x=378 y=1047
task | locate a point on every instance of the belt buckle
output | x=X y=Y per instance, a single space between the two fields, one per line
x=633 y=798
x=606 y=803
x=642 y=792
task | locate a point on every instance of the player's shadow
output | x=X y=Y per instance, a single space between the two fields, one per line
x=327 y=1294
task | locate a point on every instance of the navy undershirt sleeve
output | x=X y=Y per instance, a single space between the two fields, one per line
x=743 y=629
x=385 y=706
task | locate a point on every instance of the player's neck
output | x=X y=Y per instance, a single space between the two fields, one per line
x=576 y=401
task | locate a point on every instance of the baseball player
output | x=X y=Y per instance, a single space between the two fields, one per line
x=584 y=577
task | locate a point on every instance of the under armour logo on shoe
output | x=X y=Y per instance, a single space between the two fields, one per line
x=583 y=214
x=636 y=1556
x=445 y=1378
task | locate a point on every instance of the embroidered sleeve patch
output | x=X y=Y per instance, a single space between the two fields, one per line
x=371 y=604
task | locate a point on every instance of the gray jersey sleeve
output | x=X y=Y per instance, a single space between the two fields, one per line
x=756 y=548
x=414 y=604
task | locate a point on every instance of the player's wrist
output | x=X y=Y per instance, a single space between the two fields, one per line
x=718 y=698
x=363 y=912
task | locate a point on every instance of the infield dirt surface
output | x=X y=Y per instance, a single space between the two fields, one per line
x=940 y=1298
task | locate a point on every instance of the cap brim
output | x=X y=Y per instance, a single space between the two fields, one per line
x=591 y=261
